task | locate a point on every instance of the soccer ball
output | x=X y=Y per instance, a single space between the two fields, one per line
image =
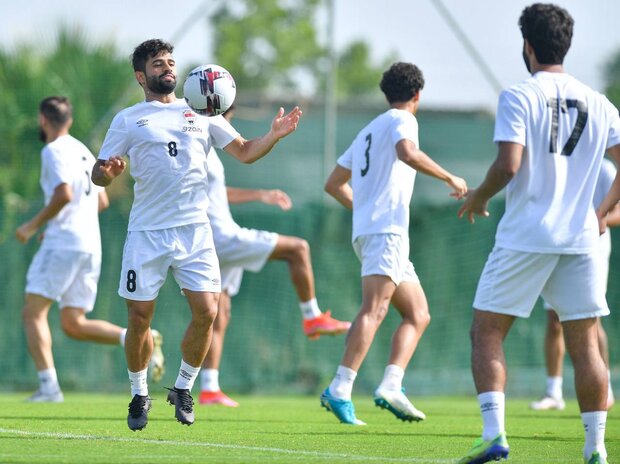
x=209 y=90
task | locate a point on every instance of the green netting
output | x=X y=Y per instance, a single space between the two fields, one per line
x=265 y=349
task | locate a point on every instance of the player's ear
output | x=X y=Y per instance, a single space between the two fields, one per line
x=140 y=77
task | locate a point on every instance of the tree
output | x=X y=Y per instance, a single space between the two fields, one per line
x=272 y=45
x=264 y=43
x=92 y=76
x=356 y=75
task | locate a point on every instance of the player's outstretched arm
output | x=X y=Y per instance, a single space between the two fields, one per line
x=411 y=155
x=502 y=170
x=269 y=197
x=337 y=185
x=105 y=171
x=248 y=151
x=61 y=196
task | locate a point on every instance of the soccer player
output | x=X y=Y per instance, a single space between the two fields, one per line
x=552 y=132
x=239 y=249
x=381 y=165
x=554 y=337
x=167 y=146
x=67 y=265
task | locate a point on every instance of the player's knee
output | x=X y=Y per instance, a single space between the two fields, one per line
x=71 y=327
x=206 y=315
x=301 y=249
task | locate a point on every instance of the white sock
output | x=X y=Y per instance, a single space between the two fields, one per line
x=309 y=309
x=342 y=385
x=187 y=376
x=210 y=380
x=554 y=387
x=610 y=392
x=121 y=339
x=594 y=426
x=138 y=383
x=492 y=408
x=392 y=377
x=48 y=381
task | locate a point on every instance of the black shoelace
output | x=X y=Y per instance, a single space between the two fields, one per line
x=186 y=400
x=137 y=405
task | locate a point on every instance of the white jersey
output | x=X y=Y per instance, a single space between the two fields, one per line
x=66 y=160
x=167 y=146
x=382 y=184
x=565 y=128
x=222 y=222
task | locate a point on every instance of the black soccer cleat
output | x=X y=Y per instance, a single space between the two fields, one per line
x=183 y=405
x=138 y=412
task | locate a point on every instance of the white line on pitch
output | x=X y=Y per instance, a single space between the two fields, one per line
x=318 y=454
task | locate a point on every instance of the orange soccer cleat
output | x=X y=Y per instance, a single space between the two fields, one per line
x=325 y=324
x=217 y=397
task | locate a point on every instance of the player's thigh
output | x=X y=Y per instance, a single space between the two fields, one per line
x=410 y=301
x=147 y=256
x=247 y=248
x=52 y=272
x=511 y=281
x=377 y=292
x=575 y=289
x=204 y=305
x=195 y=265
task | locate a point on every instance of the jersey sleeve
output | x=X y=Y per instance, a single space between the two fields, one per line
x=221 y=131
x=346 y=159
x=54 y=169
x=510 y=120
x=115 y=142
x=405 y=127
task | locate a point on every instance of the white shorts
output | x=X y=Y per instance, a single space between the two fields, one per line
x=603 y=263
x=385 y=254
x=187 y=251
x=247 y=249
x=512 y=280
x=67 y=276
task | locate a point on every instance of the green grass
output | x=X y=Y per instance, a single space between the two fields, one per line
x=92 y=429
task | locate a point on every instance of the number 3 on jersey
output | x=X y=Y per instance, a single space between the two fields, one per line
x=562 y=105
x=367 y=154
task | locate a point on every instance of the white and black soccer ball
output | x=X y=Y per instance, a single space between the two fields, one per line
x=209 y=90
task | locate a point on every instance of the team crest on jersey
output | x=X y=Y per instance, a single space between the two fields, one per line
x=142 y=122
x=189 y=116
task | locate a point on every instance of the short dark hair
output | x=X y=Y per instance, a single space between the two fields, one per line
x=401 y=82
x=57 y=110
x=549 y=30
x=148 y=49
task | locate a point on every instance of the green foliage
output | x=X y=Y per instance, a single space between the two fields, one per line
x=268 y=44
x=356 y=74
x=612 y=73
x=92 y=76
x=264 y=42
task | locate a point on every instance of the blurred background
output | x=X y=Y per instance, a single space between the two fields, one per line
x=328 y=57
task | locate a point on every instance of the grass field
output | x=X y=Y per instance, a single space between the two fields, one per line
x=92 y=429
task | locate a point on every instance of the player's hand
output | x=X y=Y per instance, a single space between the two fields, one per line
x=458 y=186
x=278 y=198
x=473 y=206
x=105 y=171
x=25 y=232
x=282 y=125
